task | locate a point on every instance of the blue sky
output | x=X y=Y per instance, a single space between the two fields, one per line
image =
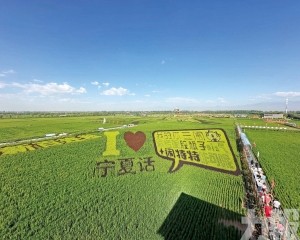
x=149 y=55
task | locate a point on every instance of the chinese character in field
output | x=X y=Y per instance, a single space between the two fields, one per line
x=199 y=135
x=184 y=144
x=193 y=145
x=201 y=145
x=193 y=155
x=103 y=168
x=147 y=164
x=167 y=135
x=126 y=165
x=181 y=154
x=170 y=152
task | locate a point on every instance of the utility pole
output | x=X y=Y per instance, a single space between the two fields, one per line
x=286 y=106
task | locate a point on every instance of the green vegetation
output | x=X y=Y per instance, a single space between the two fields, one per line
x=14 y=149
x=24 y=128
x=55 y=193
x=62 y=190
x=279 y=157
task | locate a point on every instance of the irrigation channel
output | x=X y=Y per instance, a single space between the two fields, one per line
x=271 y=224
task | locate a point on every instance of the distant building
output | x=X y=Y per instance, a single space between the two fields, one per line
x=241 y=115
x=273 y=115
x=176 y=111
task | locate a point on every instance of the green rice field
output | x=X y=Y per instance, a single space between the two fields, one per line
x=102 y=187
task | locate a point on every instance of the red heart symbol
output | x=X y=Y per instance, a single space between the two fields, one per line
x=135 y=140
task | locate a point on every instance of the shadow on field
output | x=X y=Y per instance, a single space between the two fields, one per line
x=192 y=218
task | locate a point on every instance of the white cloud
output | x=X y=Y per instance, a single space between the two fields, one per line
x=8 y=71
x=117 y=92
x=106 y=84
x=262 y=97
x=287 y=94
x=4 y=73
x=222 y=100
x=70 y=100
x=2 y=85
x=81 y=90
x=59 y=102
x=162 y=62
x=37 y=80
x=65 y=100
x=95 y=83
x=147 y=95
x=48 y=88
x=217 y=101
x=181 y=100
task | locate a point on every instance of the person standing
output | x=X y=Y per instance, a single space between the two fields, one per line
x=268 y=211
x=276 y=205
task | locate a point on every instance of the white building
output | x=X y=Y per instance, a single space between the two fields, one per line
x=273 y=116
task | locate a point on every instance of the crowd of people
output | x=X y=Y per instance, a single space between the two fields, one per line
x=269 y=204
x=278 y=228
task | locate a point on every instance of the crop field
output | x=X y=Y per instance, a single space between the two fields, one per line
x=23 y=128
x=165 y=178
x=279 y=156
x=32 y=146
x=125 y=183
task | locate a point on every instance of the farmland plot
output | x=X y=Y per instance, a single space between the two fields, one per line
x=55 y=192
x=279 y=157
